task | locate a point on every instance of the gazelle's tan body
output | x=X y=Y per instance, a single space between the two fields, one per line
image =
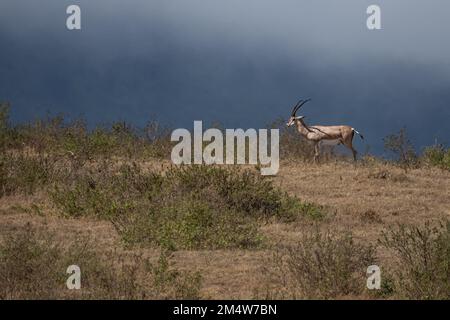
x=341 y=134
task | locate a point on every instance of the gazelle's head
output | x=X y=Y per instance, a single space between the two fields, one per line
x=293 y=117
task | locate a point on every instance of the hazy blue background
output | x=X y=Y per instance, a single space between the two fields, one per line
x=243 y=62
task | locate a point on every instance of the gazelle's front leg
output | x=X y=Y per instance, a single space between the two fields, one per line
x=316 y=151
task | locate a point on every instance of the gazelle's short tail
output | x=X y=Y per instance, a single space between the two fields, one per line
x=354 y=130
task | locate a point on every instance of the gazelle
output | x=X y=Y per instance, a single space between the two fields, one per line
x=316 y=134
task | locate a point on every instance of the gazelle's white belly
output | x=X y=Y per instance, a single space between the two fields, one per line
x=331 y=142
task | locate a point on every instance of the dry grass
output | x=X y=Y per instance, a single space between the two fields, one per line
x=33 y=262
x=364 y=199
x=353 y=191
x=60 y=182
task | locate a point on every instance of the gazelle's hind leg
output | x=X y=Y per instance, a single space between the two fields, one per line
x=347 y=141
x=354 y=154
x=350 y=146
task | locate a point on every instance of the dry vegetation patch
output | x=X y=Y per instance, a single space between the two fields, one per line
x=33 y=265
x=309 y=232
x=320 y=265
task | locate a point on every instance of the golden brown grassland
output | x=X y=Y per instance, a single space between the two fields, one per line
x=141 y=228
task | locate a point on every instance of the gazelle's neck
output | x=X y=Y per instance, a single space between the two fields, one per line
x=301 y=127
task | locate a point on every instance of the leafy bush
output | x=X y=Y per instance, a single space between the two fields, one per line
x=33 y=265
x=186 y=207
x=103 y=193
x=189 y=224
x=239 y=190
x=423 y=260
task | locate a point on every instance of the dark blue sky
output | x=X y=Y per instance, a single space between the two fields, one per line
x=242 y=62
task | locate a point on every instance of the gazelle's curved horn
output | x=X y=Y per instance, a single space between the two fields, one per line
x=294 y=110
x=304 y=101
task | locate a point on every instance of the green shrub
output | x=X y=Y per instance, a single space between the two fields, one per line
x=187 y=207
x=438 y=156
x=55 y=135
x=189 y=224
x=423 y=260
x=236 y=189
x=33 y=265
x=24 y=174
x=170 y=283
x=295 y=208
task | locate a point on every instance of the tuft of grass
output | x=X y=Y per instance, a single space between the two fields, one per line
x=33 y=265
x=423 y=260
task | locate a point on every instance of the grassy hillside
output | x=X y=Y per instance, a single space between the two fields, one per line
x=110 y=201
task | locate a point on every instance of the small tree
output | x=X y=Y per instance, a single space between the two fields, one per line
x=400 y=145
